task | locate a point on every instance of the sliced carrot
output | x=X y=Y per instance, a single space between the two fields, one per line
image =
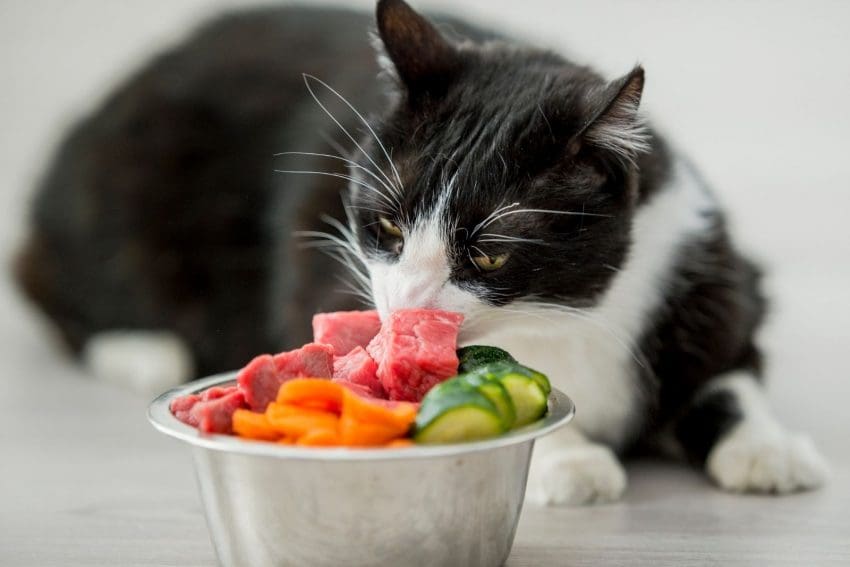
x=253 y=425
x=319 y=438
x=316 y=393
x=397 y=415
x=286 y=441
x=294 y=421
x=357 y=434
x=400 y=443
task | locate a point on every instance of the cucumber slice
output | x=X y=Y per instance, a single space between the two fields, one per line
x=541 y=379
x=454 y=412
x=471 y=357
x=527 y=388
x=496 y=393
x=528 y=397
x=461 y=424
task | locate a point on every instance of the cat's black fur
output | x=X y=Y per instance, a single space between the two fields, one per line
x=161 y=209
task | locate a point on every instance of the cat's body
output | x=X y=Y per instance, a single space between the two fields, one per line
x=502 y=182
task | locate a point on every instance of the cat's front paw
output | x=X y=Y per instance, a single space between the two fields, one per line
x=775 y=461
x=574 y=476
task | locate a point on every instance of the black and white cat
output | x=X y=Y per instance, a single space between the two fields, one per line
x=497 y=180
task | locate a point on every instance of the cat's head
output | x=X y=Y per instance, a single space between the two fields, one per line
x=497 y=175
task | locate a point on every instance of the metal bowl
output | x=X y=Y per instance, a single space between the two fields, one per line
x=269 y=504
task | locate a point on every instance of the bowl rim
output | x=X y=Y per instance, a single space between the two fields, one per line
x=561 y=411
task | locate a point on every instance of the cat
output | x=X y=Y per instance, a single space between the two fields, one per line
x=491 y=178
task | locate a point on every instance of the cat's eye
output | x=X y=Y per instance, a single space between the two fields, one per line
x=488 y=263
x=390 y=227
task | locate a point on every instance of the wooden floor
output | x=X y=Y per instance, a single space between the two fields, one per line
x=86 y=481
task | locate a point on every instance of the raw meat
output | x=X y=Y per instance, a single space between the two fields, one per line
x=357 y=367
x=415 y=350
x=216 y=415
x=261 y=379
x=210 y=412
x=182 y=409
x=346 y=330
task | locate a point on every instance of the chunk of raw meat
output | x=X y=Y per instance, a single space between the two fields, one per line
x=415 y=350
x=357 y=367
x=216 y=415
x=346 y=330
x=261 y=379
x=210 y=412
x=182 y=408
x=217 y=392
x=313 y=360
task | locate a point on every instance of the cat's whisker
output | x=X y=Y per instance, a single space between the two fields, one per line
x=587 y=316
x=350 y=163
x=307 y=78
x=539 y=310
x=486 y=222
x=349 y=178
x=490 y=237
x=504 y=214
x=321 y=238
x=360 y=208
x=342 y=248
x=349 y=289
x=335 y=146
x=479 y=250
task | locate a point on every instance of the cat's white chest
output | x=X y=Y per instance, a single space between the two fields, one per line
x=592 y=354
x=587 y=363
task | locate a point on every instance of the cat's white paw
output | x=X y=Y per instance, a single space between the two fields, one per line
x=750 y=459
x=144 y=361
x=574 y=476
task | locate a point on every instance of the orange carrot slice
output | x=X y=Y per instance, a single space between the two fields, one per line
x=400 y=443
x=319 y=438
x=398 y=416
x=316 y=393
x=294 y=421
x=358 y=434
x=253 y=425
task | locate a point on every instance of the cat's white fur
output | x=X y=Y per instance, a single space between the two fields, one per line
x=591 y=355
x=145 y=361
x=759 y=454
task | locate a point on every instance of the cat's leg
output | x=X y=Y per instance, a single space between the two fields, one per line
x=145 y=361
x=731 y=430
x=568 y=469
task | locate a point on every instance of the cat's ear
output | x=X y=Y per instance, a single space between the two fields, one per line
x=613 y=122
x=411 y=49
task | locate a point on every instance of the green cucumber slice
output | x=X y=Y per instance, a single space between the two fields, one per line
x=496 y=393
x=471 y=357
x=527 y=388
x=461 y=424
x=528 y=397
x=454 y=412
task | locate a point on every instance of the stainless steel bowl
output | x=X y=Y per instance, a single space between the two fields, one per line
x=269 y=504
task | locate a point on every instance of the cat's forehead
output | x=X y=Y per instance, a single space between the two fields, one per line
x=506 y=114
